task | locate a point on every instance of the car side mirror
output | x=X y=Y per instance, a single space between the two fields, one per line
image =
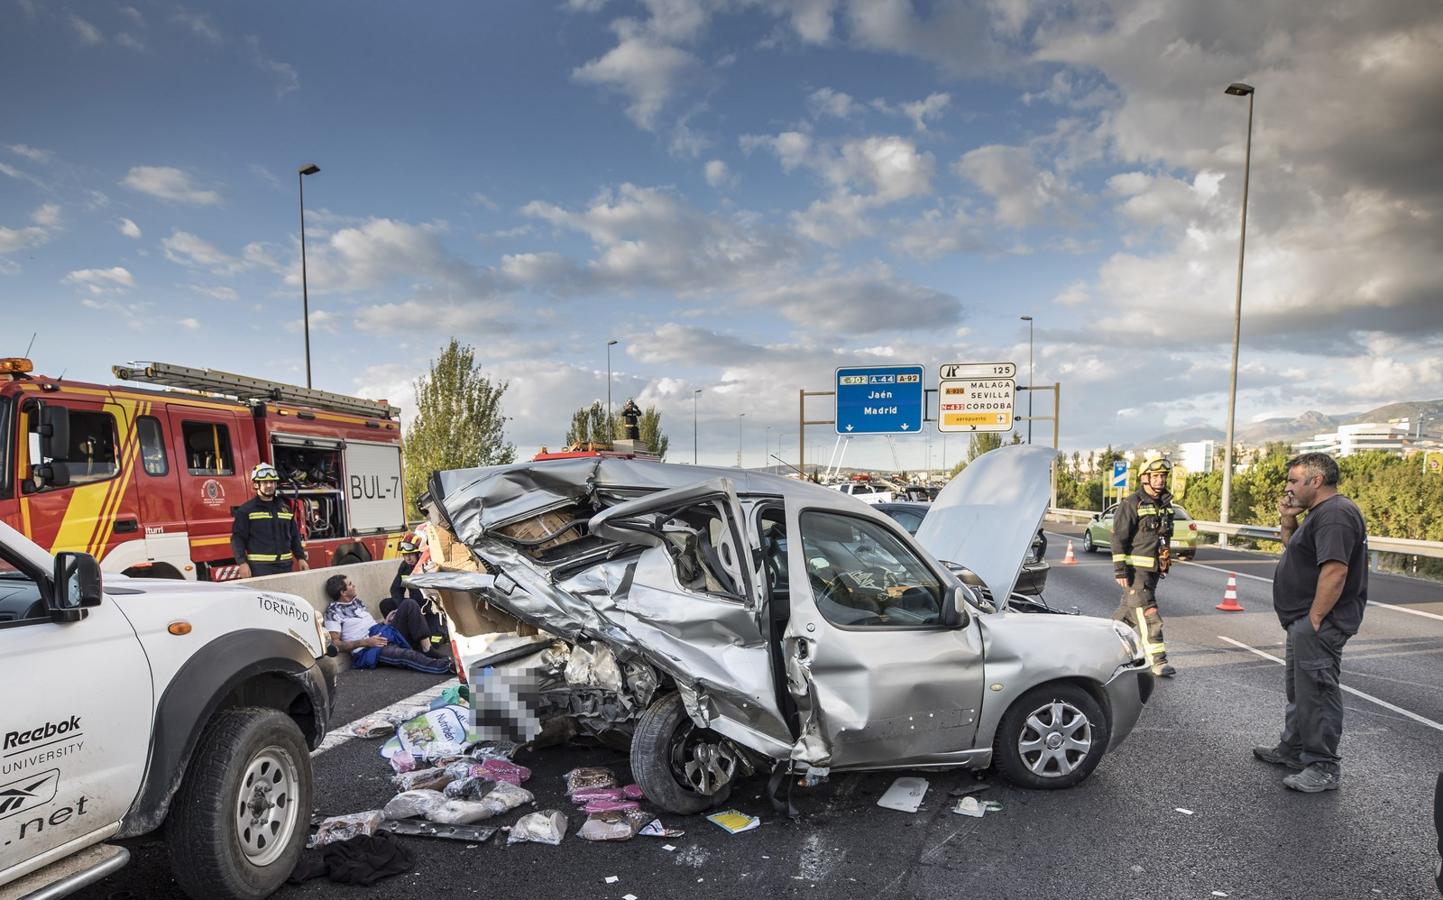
x=77 y=586
x=1097 y=517
x=954 y=612
x=54 y=432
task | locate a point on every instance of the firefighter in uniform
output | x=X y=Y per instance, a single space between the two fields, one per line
x=1141 y=531
x=264 y=535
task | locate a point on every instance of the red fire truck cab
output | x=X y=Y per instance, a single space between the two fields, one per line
x=146 y=479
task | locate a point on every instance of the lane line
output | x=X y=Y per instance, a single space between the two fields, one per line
x=1422 y=720
x=1393 y=607
x=338 y=736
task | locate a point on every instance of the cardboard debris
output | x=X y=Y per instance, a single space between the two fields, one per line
x=733 y=821
x=905 y=794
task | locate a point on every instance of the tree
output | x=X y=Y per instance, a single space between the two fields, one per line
x=588 y=426
x=458 y=422
x=982 y=442
x=651 y=434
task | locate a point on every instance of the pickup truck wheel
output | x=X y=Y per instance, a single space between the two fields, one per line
x=681 y=768
x=1052 y=737
x=237 y=824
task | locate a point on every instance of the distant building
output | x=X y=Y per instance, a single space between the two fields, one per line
x=1197 y=456
x=1400 y=437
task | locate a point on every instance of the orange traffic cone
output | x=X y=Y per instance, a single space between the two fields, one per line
x=1069 y=559
x=1230 y=597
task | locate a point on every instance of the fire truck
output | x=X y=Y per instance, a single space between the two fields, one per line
x=146 y=479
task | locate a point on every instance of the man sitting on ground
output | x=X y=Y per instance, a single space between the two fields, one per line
x=371 y=644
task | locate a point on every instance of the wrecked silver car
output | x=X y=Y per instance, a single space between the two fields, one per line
x=726 y=621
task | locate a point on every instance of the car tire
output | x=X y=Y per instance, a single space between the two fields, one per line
x=214 y=853
x=1087 y=545
x=661 y=736
x=1024 y=748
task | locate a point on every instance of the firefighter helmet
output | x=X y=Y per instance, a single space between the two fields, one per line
x=408 y=546
x=1156 y=464
x=265 y=472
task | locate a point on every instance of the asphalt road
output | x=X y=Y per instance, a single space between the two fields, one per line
x=1180 y=810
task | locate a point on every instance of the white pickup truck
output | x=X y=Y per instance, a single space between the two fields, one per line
x=143 y=702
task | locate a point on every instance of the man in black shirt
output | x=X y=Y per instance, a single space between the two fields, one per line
x=1319 y=591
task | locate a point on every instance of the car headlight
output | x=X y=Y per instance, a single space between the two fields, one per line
x=1129 y=640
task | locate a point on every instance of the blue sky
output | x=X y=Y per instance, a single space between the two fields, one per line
x=745 y=193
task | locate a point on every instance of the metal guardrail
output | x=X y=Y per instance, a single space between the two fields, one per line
x=1408 y=547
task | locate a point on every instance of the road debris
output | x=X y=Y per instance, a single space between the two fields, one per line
x=545 y=827
x=905 y=794
x=733 y=821
x=343 y=828
x=971 y=806
x=478 y=834
x=1186 y=812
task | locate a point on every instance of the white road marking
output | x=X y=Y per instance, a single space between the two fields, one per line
x=1393 y=607
x=338 y=736
x=1421 y=720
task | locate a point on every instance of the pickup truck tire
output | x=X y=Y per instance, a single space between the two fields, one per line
x=664 y=742
x=1052 y=737
x=239 y=821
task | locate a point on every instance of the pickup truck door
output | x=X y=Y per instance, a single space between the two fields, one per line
x=75 y=725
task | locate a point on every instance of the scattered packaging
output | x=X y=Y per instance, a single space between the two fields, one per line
x=494 y=750
x=343 y=828
x=461 y=812
x=905 y=794
x=971 y=806
x=413 y=804
x=614 y=826
x=373 y=727
x=733 y=821
x=402 y=763
x=422 y=779
x=588 y=779
x=545 y=827
x=503 y=797
x=654 y=828
x=601 y=806
x=434 y=734
x=503 y=770
x=468 y=788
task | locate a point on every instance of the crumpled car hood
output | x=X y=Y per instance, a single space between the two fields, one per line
x=986 y=517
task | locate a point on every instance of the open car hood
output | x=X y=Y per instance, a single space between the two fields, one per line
x=986 y=517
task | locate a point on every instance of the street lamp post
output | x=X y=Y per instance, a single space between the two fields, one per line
x=610 y=429
x=1236 y=89
x=740 y=416
x=1028 y=320
x=693 y=425
x=301 y=173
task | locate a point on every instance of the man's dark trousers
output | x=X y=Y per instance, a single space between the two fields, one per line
x=1313 y=718
x=261 y=569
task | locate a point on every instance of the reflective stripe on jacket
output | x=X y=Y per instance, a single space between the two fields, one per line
x=1141 y=528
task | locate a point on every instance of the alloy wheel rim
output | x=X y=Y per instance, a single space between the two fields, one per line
x=266 y=806
x=1056 y=738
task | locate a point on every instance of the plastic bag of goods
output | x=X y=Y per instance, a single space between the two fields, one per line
x=413 y=804
x=545 y=827
x=343 y=828
x=588 y=779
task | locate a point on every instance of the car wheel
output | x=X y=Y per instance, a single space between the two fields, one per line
x=238 y=823
x=1052 y=737
x=681 y=768
x=1087 y=545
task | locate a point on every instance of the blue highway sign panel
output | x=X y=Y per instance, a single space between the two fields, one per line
x=1119 y=473
x=879 y=400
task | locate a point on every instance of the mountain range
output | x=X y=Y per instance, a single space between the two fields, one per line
x=1303 y=427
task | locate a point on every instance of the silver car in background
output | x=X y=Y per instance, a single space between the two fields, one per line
x=726 y=622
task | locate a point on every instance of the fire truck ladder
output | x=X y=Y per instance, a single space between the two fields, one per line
x=250 y=390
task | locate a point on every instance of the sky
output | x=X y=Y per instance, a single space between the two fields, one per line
x=744 y=194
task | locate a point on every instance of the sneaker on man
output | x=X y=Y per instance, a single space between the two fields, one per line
x=1278 y=758
x=1312 y=780
x=1164 y=670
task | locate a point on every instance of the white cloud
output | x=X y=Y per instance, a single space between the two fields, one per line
x=674 y=344
x=34 y=154
x=129 y=41
x=128 y=228
x=200 y=25
x=1024 y=194
x=918 y=111
x=46 y=215
x=189 y=324
x=102 y=281
x=718 y=175
x=169 y=183
x=133 y=14
x=828 y=102
x=646 y=70
x=860 y=302
x=283 y=75
x=17 y=174
x=88 y=33
x=265 y=175
x=479 y=199
x=219 y=292
x=1075 y=294
x=382 y=251
x=192 y=251
x=792 y=148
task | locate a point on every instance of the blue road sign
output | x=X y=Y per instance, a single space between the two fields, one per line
x=879 y=400
x=1119 y=473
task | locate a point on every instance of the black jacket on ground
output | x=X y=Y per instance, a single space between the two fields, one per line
x=1141 y=528
x=265 y=532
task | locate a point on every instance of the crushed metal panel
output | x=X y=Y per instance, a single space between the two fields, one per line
x=986 y=517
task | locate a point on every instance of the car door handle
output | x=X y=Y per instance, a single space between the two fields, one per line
x=125 y=526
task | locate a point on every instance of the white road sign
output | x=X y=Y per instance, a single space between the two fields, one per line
x=975 y=404
x=950 y=371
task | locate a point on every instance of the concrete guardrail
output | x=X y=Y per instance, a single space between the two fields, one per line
x=1405 y=546
x=373 y=583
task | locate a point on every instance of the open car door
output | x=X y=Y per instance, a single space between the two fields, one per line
x=694 y=600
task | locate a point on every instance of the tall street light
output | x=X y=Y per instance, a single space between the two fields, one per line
x=1236 y=89
x=301 y=173
x=1028 y=320
x=740 y=416
x=610 y=429
x=694 y=395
